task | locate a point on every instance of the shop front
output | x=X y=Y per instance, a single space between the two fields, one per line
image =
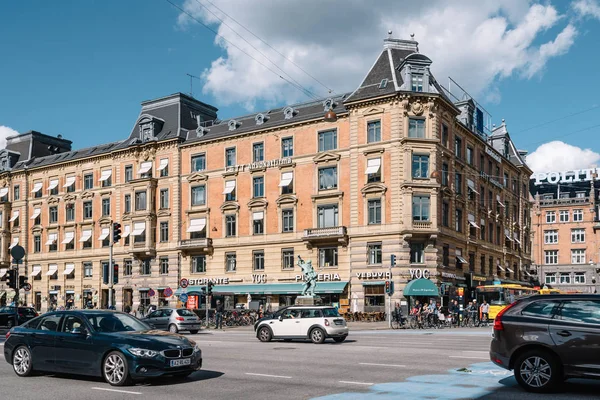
x=422 y=289
x=451 y=287
x=69 y=299
x=87 y=297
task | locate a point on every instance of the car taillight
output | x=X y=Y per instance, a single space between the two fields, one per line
x=180 y=319
x=498 y=320
x=7 y=335
x=326 y=322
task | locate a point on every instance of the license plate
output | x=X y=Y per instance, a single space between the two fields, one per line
x=179 y=363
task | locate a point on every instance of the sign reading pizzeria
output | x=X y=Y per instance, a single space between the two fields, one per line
x=321 y=277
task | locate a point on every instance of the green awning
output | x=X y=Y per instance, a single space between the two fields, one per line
x=421 y=287
x=268 y=288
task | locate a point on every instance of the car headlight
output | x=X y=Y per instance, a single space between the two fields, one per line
x=143 y=352
x=197 y=349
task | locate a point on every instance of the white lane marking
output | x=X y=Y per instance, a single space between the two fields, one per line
x=479 y=358
x=384 y=365
x=357 y=383
x=209 y=341
x=270 y=376
x=115 y=390
x=476 y=351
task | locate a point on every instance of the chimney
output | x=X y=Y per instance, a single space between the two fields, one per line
x=467 y=109
x=523 y=154
x=401 y=44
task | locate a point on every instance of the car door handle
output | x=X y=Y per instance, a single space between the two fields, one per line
x=297 y=322
x=564 y=333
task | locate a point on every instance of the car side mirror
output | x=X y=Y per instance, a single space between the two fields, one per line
x=281 y=317
x=79 y=331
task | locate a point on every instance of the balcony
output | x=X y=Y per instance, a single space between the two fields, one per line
x=332 y=234
x=142 y=249
x=203 y=245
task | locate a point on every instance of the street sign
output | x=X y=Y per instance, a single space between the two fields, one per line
x=17 y=252
x=168 y=292
x=192 y=302
x=27 y=287
x=183 y=297
x=151 y=292
x=184 y=283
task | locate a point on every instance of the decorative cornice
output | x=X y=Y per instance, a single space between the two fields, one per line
x=37 y=229
x=163 y=213
x=195 y=210
x=70 y=197
x=373 y=111
x=328 y=195
x=87 y=195
x=373 y=188
x=375 y=150
x=287 y=199
x=258 y=203
x=326 y=157
x=53 y=200
x=104 y=221
x=197 y=177
x=230 y=206
x=109 y=193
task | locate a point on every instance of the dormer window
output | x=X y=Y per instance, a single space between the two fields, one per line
x=289 y=112
x=233 y=125
x=261 y=119
x=147 y=131
x=150 y=127
x=328 y=104
x=417 y=82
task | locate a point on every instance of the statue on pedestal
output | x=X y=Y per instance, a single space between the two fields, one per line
x=310 y=277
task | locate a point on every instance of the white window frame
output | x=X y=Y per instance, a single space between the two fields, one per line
x=577 y=215
x=550 y=217
x=551 y=257
x=578 y=235
x=577 y=256
x=551 y=237
x=563 y=216
x=579 y=278
x=564 y=278
x=550 y=278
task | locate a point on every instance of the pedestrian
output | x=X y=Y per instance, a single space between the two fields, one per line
x=476 y=311
x=219 y=315
x=485 y=311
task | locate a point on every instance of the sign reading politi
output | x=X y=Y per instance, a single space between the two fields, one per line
x=576 y=175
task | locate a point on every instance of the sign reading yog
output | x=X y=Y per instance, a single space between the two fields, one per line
x=259 y=165
x=577 y=175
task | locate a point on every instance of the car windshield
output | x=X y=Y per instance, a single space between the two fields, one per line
x=27 y=312
x=185 y=313
x=114 y=322
x=330 y=312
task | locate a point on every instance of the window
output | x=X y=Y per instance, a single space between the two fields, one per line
x=198 y=195
x=258 y=183
x=88 y=269
x=164 y=265
x=446 y=255
x=417 y=253
x=258 y=152
x=37 y=244
x=564 y=216
x=140 y=201
x=128 y=173
x=50 y=323
x=417 y=82
x=578 y=215
x=420 y=206
x=445 y=174
x=374 y=253
x=551 y=257
x=258 y=222
x=230 y=157
x=550 y=217
x=458 y=147
x=416 y=128
x=287 y=220
x=579 y=277
x=86 y=238
x=458 y=182
x=198 y=162
x=105 y=236
x=470 y=155
x=106 y=207
x=16 y=193
x=87 y=210
x=445 y=136
x=287 y=259
x=505 y=179
x=577 y=235
x=230 y=262
x=565 y=278
x=127 y=268
x=374 y=206
x=53 y=187
x=164 y=198
x=328 y=257
x=53 y=215
x=52 y=242
x=328 y=178
x=88 y=181
x=445 y=214
x=482 y=231
x=106 y=178
x=70 y=212
x=230 y=225
x=259 y=260
x=580 y=311
x=127 y=203
x=459 y=220
x=229 y=191
x=164 y=231
x=287 y=147
x=145 y=268
x=420 y=166
x=198 y=264
x=287 y=187
x=374 y=297
x=163 y=167
x=550 y=237
x=327 y=216
x=578 y=256
x=580 y=195
x=540 y=309
x=374 y=131
x=373 y=170
x=328 y=140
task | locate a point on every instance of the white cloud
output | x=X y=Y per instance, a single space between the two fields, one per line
x=477 y=42
x=586 y=8
x=560 y=156
x=5 y=132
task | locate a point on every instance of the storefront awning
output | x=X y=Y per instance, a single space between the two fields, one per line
x=421 y=287
x=3 y=272
x=269 y=288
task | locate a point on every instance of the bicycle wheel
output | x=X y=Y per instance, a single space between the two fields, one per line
x=395 y=324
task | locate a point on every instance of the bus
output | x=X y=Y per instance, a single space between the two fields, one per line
x=499 y=296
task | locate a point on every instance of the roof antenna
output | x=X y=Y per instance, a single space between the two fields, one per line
x=191 y=83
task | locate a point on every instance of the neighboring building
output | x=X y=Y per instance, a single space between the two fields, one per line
x=401 y=169
x=565 y=222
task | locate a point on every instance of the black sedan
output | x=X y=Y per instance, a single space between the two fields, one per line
x=12 y=316
x=110 y=344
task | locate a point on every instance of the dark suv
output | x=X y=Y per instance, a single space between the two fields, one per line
x=546 y=339
x=12 y=316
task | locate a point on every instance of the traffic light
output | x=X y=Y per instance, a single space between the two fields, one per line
x=22 y=281
x=116 y=273
x=12 y=278
x=209 y=288
x=105 y=273
x=389 y=287
x=116 y=232
x=393 y=260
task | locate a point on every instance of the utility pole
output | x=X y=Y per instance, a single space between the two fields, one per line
x=111 y=268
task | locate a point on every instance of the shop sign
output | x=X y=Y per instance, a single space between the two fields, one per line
x=69 y=286
x=259 y=278
x=192 y=302
x=576 y=175
x=204 y=281
x=493 y=154
x=321 y=277
x=261 y=164
x=479 y=278
x=374 y=275
x=87 y=286
x=419 y=273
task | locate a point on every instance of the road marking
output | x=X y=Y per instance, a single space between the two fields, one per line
x=115 y=390
x=209 y=341
x=357 y=383
x=384 y=365
x=476 y=351
x=479 y=358
x=270 y=376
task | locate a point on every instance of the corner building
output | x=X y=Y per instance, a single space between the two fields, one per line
x=396 y=167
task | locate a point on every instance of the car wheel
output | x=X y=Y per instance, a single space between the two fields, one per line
x=264 y=334
x=173 y=328
x=22 y=362
x=194 y=332
x=339 y=339
x=317 y=335
x=537 y=371
x=115 y=369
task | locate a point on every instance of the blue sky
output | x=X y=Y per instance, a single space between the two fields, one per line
x=81 y=68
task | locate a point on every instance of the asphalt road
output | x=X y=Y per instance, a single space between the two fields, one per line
x=379 y=364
